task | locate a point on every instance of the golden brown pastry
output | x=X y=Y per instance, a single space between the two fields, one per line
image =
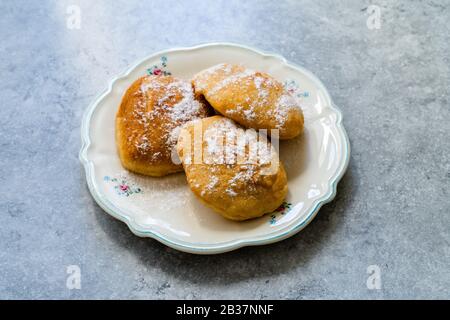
x=148 y=123
x=253 y=99
x=230 y=169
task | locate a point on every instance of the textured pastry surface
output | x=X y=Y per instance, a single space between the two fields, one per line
x=148 y=122
x=236 y=174
x=253 y=99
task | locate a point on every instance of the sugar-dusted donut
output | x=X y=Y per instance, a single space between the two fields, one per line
x=251 y=98
x=148 y=122
x=230 y=169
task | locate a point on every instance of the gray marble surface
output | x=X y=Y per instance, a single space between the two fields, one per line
x=393 y=205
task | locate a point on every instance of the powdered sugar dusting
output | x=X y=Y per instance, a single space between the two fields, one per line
x=233 y=79
x=226 y=144
x=175 y=105
x=286 y=102
x=205 y=74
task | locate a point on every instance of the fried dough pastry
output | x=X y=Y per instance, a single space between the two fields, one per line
x=253 y=99
x=148 y=123
x=230 y=169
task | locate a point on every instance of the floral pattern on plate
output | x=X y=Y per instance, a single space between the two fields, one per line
x=282 y=210
x=293 y=87
x=159 y=69
x=122 y=185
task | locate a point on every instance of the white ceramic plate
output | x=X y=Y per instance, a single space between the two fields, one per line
x=165 y=209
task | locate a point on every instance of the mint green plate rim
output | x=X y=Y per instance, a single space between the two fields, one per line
x=205 y=248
